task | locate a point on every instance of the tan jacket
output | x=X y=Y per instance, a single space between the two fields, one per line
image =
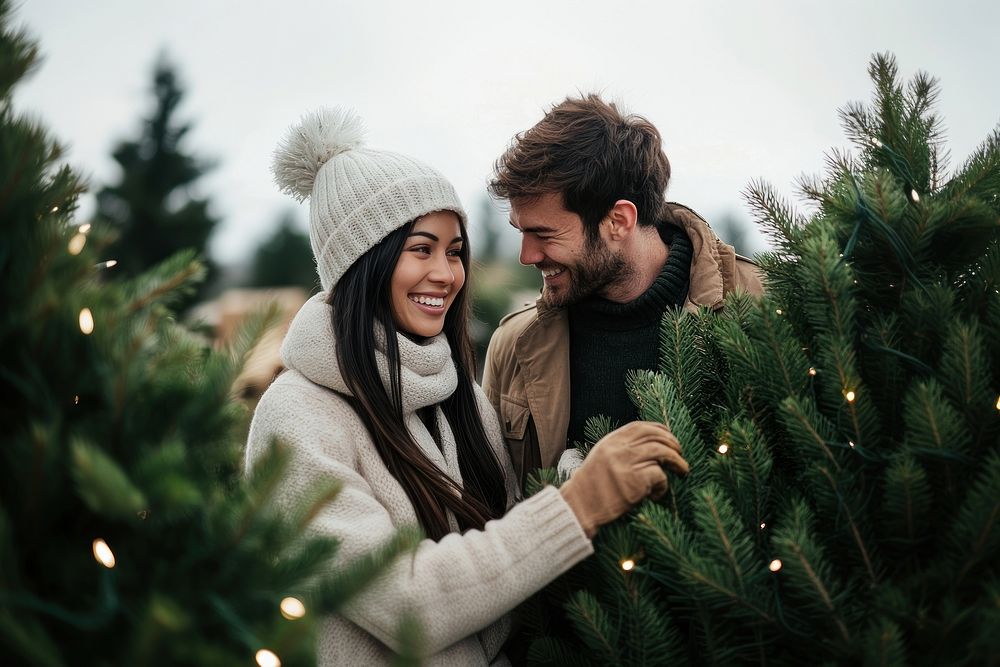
x=526 y=375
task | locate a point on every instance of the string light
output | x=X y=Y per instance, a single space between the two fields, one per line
x=267 y=658
x=851 y=443
x=55 y=209
x=723 y=448
x=76 y=243
x=998 y=402
x=763 y=525
x=812 y=371
x=627 y=564
x=914 y=196
x=774 y=565
x=778 y=311
x=86 y=321
x=76 y=400
x=107 y=265
x=85 y=229
x=103 y=553
x=850 y=395
x=292 y=608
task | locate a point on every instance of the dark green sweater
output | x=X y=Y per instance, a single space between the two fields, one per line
x=608 y=339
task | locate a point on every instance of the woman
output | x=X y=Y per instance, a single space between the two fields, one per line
x=379 y=394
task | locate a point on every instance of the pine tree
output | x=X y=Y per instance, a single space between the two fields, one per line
x=128 y=535
x=843 y=504
x=284 y=259
x=152 y=208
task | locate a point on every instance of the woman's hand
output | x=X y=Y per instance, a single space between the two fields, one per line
x=622 y=468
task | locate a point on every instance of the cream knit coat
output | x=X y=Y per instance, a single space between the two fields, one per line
x=463 y=586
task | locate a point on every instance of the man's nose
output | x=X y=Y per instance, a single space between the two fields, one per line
x=530 y=251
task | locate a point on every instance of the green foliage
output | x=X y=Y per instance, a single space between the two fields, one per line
x=151 y=210
x=121 y=438
x=284 y=259
x=843 y=505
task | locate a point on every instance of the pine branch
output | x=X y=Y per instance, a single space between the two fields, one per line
x=806 y=569
x=852 y=522
x=976 y=530
x=595 y=627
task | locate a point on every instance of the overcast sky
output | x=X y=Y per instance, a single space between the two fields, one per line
x=739 y=90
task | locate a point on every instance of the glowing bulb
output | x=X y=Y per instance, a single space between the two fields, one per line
x=763 y=525
x=812 y=371
x=76 y=243
x=627 y=564
x=850 y=395
x=778 y=311
x=723 y=448
x=84 y=229
x=267 y=658
x=108 y=264
x=851 y=443
x=76 y=400
x=55 y=209
x=292 y=608
x=914 y=196
x=998 y=402
x=86 y=321
x=103 y=553
x=774 y=565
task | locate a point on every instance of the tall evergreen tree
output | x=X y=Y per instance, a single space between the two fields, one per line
x=128 y=535
x=153 y=208
x=284 y=259
x=843 y=505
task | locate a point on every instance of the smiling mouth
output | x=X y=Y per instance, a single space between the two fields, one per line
x=552 y=273
x=428 y=301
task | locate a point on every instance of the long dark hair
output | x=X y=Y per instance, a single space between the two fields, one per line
x=362 y=298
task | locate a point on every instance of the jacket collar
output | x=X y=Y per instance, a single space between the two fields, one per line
x=706 y=288
x=427 y=369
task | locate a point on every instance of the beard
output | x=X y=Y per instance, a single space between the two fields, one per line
x=598 y=268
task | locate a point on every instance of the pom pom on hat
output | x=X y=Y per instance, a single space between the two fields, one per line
x=307 y=146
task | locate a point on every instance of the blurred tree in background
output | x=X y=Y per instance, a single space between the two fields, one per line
x=153 y=209
x=128 y=533
x=285 y=259
x=734 y=230
x=500 y=283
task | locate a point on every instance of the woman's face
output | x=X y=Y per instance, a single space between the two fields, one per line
x=429 y=274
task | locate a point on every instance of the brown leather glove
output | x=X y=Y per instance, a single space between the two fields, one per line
x=622 y=469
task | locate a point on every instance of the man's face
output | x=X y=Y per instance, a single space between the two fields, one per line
x=554 y=241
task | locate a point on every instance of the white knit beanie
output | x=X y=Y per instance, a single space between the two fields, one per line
x=357 y=195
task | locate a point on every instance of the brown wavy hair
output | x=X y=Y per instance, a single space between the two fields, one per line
x=362 y=298
x=588 y=151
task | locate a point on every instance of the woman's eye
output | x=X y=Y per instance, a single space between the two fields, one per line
x=455 y=252
x=421 y=248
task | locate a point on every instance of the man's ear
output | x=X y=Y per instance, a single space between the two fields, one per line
x=621 y=220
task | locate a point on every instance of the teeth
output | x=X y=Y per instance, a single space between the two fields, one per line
x=435 y=301
x=552 y=272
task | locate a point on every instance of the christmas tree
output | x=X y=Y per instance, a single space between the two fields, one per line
x=843 y=504
x=152 y=209
x=128 y=534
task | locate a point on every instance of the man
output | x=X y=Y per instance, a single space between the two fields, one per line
x=586 y=186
